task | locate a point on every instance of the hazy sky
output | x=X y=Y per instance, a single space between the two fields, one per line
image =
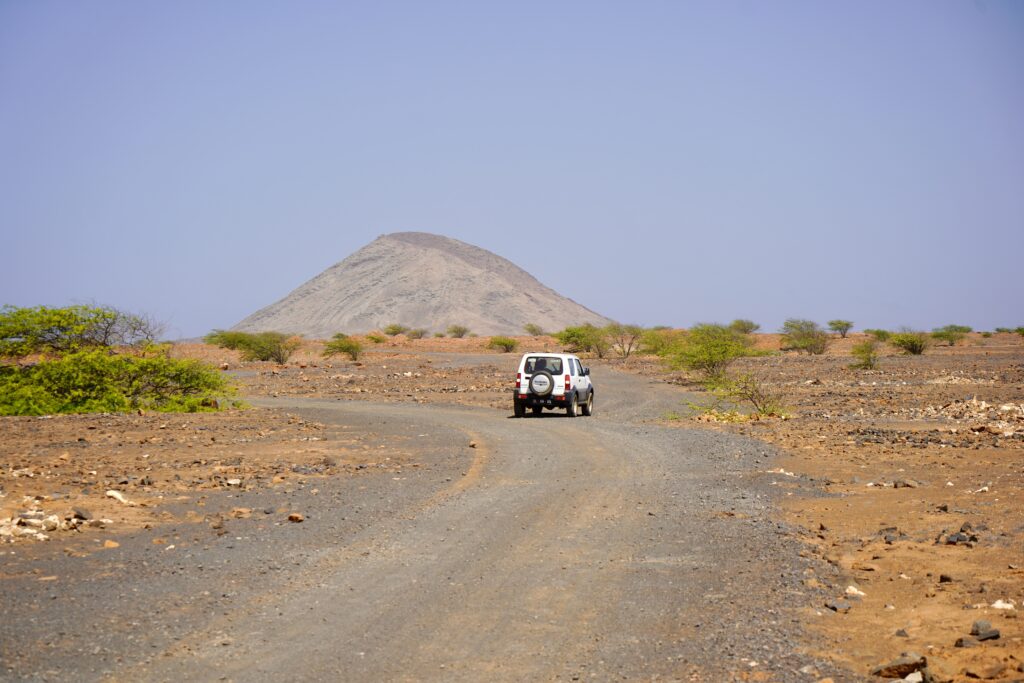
x=702 y=160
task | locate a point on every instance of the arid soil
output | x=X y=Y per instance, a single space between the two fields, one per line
x=916 y=476
x=904 y=483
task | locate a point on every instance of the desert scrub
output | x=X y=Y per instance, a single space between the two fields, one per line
x=394 y=329
x=865 y=354
x=842 y=327
x=585 y=338
x=376 y=338
x=744 y=326
x=751 y=390
x=951 y=334
x=624 y=339
x=418 y=333
x=657 y=341
x=272 y=346
x=24 y=331
x=503 y=344
x=343 y=344
x=439 y=335
x=709 y=349
x=880 y=335
x=533 y=330
x=100 y=380
x=804 y=335
x=913 y=343
x=457 y=331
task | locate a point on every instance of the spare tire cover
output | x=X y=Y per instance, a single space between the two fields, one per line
x=542 y=383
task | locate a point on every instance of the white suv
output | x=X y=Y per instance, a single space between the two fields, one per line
x=553 y=380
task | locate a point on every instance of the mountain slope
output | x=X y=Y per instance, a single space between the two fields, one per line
x=422 y=281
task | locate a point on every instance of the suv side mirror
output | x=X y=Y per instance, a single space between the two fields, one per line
x=586 y=371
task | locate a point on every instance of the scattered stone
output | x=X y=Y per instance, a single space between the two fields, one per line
x=982 y=630
x=234 y=482
x=905 y=484
x=905 y=665
x=1004 y=604
x=241 y=513
x=988 y=669
x=119 y=497
x=854 y=591
x=916 y=677
x=472 y=444
x=902 y=633
x=111 y=544
x=840 y=606
x=966 y=641
x=296 y=517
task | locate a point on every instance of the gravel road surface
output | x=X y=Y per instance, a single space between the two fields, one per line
x=599 y=548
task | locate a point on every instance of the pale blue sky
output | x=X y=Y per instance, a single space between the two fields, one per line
x=703 y=160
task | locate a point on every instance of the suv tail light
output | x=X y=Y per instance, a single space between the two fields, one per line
x=519 y=380
x=568 y=383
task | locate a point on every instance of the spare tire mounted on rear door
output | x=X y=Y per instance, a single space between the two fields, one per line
x=542 y=383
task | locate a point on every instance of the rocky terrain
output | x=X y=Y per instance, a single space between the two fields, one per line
x=902 y=487
x=422 y=281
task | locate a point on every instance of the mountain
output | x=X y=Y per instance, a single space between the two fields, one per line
x=424 y=281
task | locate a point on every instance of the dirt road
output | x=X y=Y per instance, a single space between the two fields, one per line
x=554 y=549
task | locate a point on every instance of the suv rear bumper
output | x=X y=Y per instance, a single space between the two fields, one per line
x=531 y=400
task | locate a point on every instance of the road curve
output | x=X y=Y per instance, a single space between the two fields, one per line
x=557 y=549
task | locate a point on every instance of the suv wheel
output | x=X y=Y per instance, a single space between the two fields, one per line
x=573 y=409
x=588 y=407
x=518 y=408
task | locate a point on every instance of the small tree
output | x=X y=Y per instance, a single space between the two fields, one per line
x=951 y=334
x=840 y=326
x=504 y=344
x=394 y=329
x=866 y=354
x=457 y=331
x=41 y=329
x=585 y=338
x=533 y=330
x=709 y=349
x=744 y=326
x=275 y=346
x=747 y=388
x=343 y=344
x=804 y=335
x=624 y=338
x=880 y=335
x=911 y=342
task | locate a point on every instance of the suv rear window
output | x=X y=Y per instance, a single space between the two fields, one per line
x=539 y=363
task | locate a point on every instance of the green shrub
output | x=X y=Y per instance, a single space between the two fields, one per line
x=275 y=346
x=418 y=333
x=584 y=338
x=744 y=326
x=439 y=335
x=99 y=380
x=913 y=343
x=840 y=326
x=25 y=331
x=866 y=354
x=394 y=329
x=505 y=344
x=658 y=341
x=376 y=338
x=880 y=335
x=1002 y=330
x=624 y=339
x=228 y=339
x=986 y=335
x=1020 y=331
x=749 y=389
x=951 y=334
x=457 y=331
x=804 y=335
x=709 y=349
x=533 y=330
x=343 y=344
